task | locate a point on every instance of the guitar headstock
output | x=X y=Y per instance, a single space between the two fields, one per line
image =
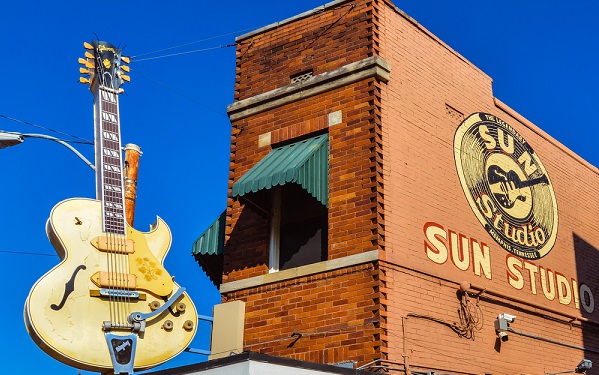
x=104 y=65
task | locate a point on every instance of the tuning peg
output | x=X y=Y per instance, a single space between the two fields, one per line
x=83 y=80
x=125 y=68
x=125 y=78
x=89 y=64
x=86 y=45
x=126 y=59
x=83 y=71
x=89 y=55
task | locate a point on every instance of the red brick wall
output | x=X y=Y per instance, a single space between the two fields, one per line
x=337 y=313
x=430 y=91
x=433 y=345
x=267 y=60
x=392 y=171
x=353 y=163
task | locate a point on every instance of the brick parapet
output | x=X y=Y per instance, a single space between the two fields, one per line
x=266 y=61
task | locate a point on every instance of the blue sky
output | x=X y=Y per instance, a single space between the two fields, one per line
x=542 y=56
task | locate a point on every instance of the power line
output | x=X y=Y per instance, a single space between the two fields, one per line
x=186 y=52
x=194 y=42
x=87 y=141
x=179 y=93
x=26 y=253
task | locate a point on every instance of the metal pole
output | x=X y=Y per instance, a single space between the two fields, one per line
x=43 y=136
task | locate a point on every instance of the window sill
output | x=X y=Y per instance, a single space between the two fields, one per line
x=310 y=269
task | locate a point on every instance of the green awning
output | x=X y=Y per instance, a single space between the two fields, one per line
x=211 y=242
x=305 y=163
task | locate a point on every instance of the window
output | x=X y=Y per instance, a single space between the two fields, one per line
x=290 y=185
x=299 y=228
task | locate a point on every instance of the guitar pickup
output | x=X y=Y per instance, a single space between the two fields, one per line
x=115 y=293
x=113 y=244
x=114 y=280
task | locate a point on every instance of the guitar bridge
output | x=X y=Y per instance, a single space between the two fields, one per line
x=116 y=293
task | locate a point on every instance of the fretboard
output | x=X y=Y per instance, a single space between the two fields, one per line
x=108 y=161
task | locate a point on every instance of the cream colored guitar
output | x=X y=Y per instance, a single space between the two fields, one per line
x=110 y=305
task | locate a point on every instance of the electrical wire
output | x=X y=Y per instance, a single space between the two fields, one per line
x=445 y=354
x=87 y=141
x=470 y=314
x=26 y=253
x=297 y=335
x=190 y=43
x=178 y=92
x=186 y=52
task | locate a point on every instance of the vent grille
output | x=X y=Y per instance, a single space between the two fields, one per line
x=302 y=77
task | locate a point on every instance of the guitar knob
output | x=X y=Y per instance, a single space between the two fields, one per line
x=181 y=307
x=167 y=325
x=154 y=305
x=188 y=325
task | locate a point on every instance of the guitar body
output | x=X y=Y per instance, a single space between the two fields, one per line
x=64 y=312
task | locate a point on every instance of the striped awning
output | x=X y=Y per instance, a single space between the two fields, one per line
x=211 y=242
x=305 y=163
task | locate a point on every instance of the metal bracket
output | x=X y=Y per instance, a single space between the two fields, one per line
x=140 y=318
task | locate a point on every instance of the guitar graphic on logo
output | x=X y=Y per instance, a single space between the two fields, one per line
x=507 y=186
x=109 y=305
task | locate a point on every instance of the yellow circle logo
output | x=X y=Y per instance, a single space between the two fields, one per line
x=506 y=185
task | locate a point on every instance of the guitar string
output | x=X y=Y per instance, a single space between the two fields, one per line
x=121 y=217
x=114 y=210
x=105 y=197
x=121 y=206
x=122 y=276
x=110 y=256
x=114 y=245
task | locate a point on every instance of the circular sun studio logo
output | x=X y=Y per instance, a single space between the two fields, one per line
x=506 y=185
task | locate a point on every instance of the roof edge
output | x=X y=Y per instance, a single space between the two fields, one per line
x=274 y=25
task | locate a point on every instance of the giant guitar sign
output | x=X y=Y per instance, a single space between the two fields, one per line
x=109 y=305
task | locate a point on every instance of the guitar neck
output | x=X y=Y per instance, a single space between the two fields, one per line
x=109 y=176
x=534 y=181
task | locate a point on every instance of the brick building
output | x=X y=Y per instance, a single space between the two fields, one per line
x=384 y=205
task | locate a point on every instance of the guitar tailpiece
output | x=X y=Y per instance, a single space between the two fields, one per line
x=122 y=352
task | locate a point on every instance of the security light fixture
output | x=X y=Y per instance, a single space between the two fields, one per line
x=502 y=325
x=581 y=368
x=508 y=317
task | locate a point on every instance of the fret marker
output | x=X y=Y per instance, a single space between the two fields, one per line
x=109 y=117
x=110 y=136
x=112 y=153
x=108 y=96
